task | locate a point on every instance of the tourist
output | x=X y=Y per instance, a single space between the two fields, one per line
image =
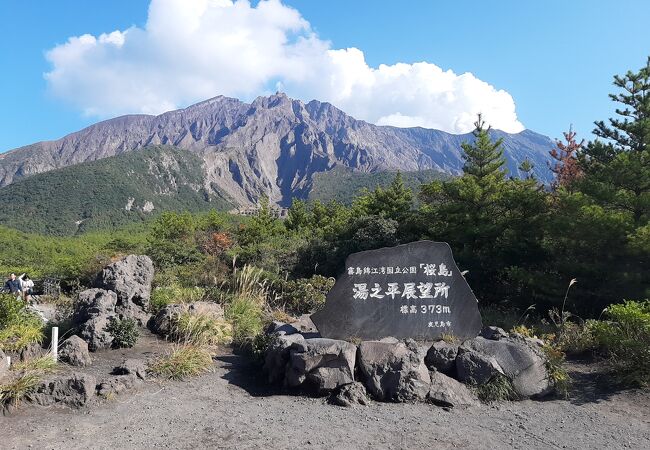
x=13 y=285
x=27 y=287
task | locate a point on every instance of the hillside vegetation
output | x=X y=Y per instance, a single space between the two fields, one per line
x=108 y=193
x=343 y=185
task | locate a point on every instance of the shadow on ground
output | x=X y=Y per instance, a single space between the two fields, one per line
x=242 y=372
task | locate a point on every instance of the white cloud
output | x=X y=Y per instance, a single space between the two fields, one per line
x=191 y=50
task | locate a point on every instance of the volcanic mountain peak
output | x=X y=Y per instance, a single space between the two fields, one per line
x=272 y=146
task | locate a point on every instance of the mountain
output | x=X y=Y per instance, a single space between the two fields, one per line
x=272 y=146
x=108 y=193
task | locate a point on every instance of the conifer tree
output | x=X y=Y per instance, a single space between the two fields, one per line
x=619 y=165
x=566 y=168
x=484 y=158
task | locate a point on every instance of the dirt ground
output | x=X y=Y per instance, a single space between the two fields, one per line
x=231 y=408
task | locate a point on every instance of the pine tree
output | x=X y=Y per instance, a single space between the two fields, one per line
x=566 y=169
x=618 y=167
x=393 y=202
x=484 y=158
x=632 y=132
x=527 y=167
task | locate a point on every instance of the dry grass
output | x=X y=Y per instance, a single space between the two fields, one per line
x=182 y=362
x=201 y=330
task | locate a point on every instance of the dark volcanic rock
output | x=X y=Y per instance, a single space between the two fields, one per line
x=394 y=371
x=350 y=394
x=520 y=359
x=73 y=390
x=277 y=355
x=445 y=391
x=493 y=333
x=94 y=303
x=323 y=363
x=132 y=366
x=74 y=351
x=442 y=357
x=476 y=368
x=410 y=291
x=130 y=278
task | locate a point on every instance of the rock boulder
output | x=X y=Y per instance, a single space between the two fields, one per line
x=394 y=371
x=350 y=394
x=323 y=363
x=130 y=278
x=74 y=351
x=520 y=359
x=277 y=356
x=474 y=367
x=442 y=357
x=447 y=392
x=74 y=390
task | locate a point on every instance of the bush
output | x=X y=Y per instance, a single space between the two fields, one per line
x=200 y=330
x=18 y=326
x=125 y=332
x=558 y=376
x=499 y=388
x=306 y=295
x=575 y=338
x=181 y=362
x=625 y=338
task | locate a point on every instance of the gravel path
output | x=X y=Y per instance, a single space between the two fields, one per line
x=229 y=408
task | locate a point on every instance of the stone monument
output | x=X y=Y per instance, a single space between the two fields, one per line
x=413 y=291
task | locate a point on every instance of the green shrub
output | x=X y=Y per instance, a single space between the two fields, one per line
x=625 y=338
x=200 y=330
x=18 y=326
x=576 y=338
x=558 y=376
x=125 y=332
x=259 y=346
x=305 y=295
x=181 y=362
x=165 y=295
x=499 y=388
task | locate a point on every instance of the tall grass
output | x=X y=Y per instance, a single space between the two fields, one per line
x=200 y=330
x=181 y=362
x=249 y=305
x=174 y=293
x=23 y=377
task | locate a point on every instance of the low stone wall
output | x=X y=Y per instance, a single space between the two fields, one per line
x=404 y=371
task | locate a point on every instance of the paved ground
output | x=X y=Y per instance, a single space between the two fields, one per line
x=229 y=408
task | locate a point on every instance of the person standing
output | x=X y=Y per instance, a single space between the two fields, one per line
x=27 y=287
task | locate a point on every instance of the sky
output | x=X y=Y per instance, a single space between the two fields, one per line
x=540 y=65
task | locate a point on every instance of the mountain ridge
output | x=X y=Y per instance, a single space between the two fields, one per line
x=272 y=146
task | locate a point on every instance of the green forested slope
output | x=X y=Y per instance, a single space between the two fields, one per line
x=343 y=185
x=95 y=195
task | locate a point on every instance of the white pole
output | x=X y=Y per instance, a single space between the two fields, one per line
x=8 y=361
x=55 y=343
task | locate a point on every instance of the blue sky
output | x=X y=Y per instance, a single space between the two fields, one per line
x=554 y=59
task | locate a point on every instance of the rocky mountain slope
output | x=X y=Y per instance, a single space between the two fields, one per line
x=272 y=146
